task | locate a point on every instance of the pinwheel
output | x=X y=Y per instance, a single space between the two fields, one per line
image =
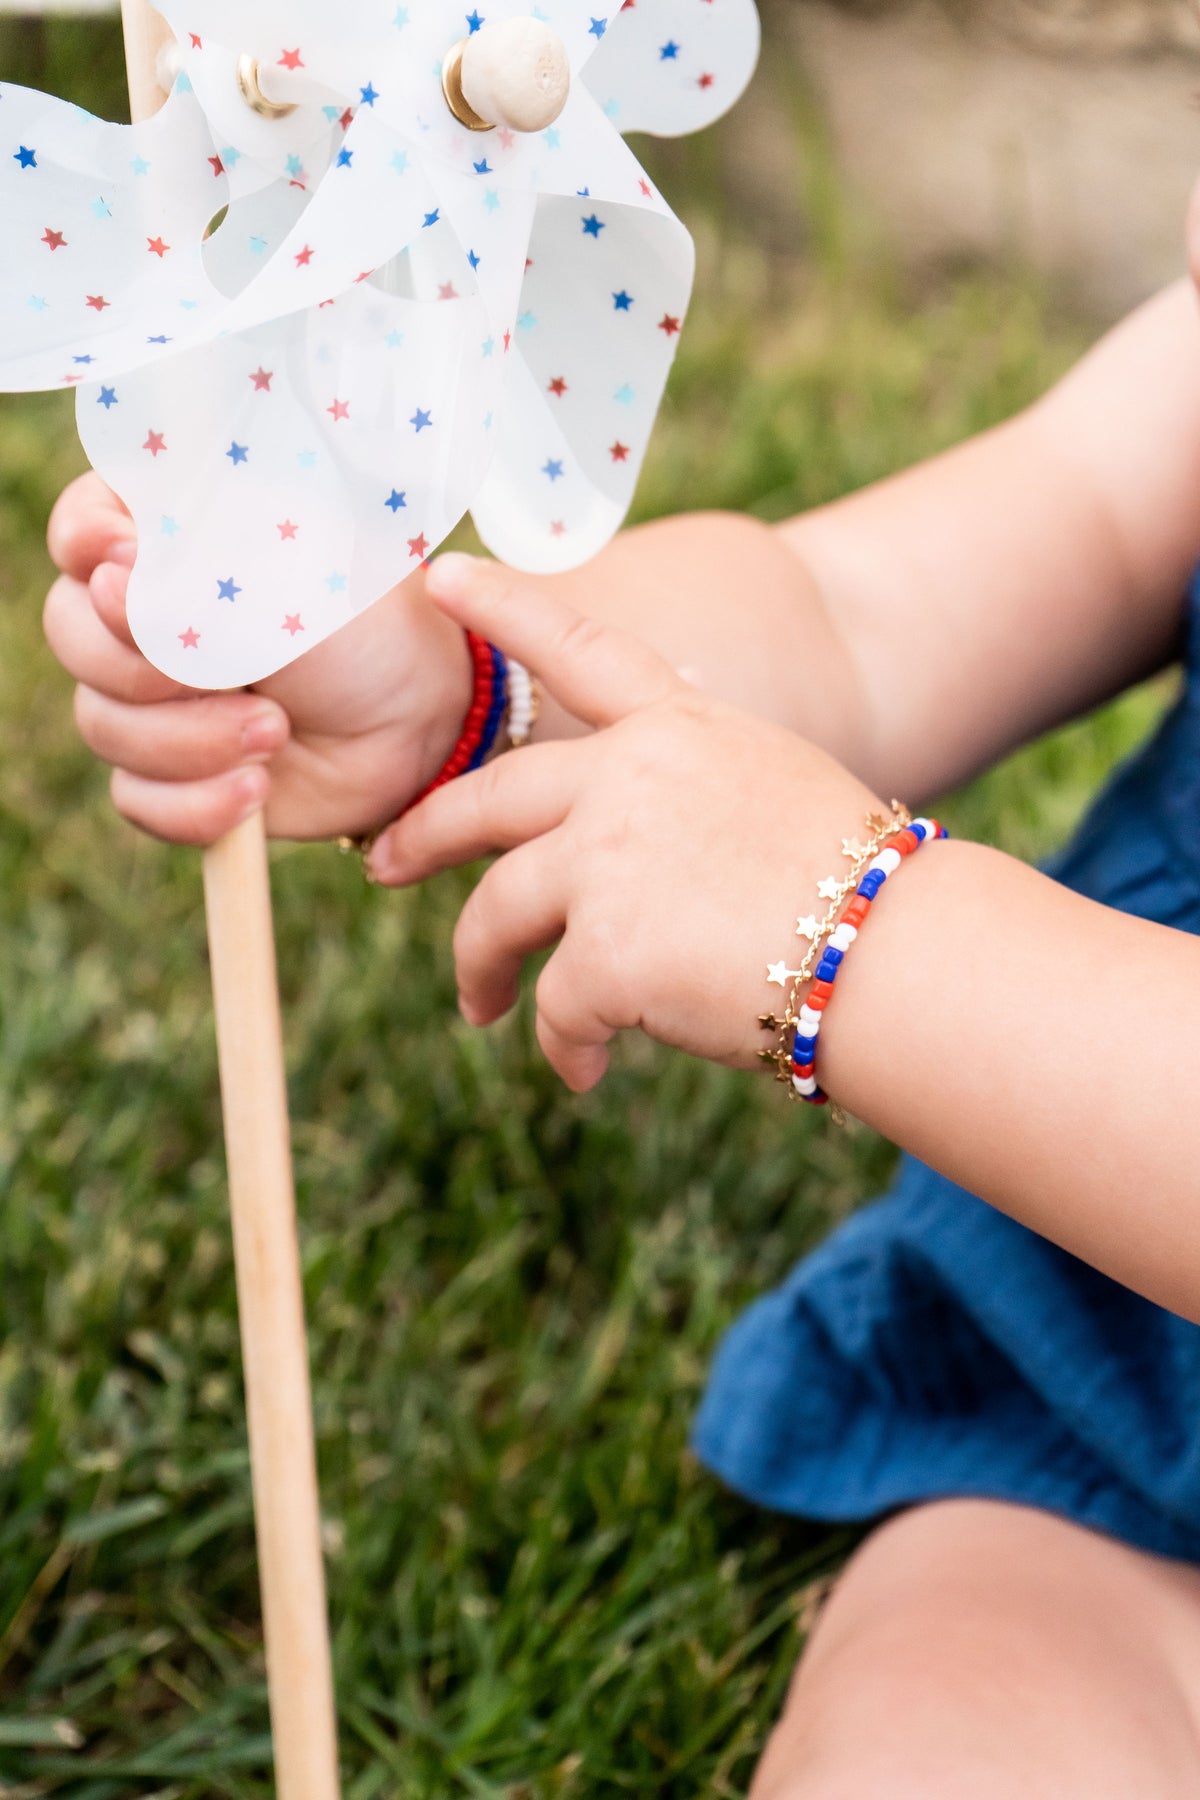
x=369 y=267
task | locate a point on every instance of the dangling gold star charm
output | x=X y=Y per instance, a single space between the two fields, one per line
x=809 y=927
x=853 y=849
x=831 y=888
x=778 y=974
x=768 y=1022
x=877 y=822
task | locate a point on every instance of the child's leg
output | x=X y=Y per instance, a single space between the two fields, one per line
x=975 y=1651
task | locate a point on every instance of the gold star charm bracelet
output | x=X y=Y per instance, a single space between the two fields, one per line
x=833 y=890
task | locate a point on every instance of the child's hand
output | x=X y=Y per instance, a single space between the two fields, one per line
x=672 y=852
x=338 y=742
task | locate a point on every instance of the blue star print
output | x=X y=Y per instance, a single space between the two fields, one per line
x=474 y=21
x=622 y=301
x=369 y=95
x=431 y=219
x=345 y=158
x=593 y=227
x=396 y=501
x=26 y=158
x=669 y=51
x=420 y=420
x=228 y=590
x=597 y=28
x=238 y=453
x=108 y=399
x=553 y=469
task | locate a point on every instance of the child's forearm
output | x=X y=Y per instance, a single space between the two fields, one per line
x=1041 y=1050
x=1025 y=577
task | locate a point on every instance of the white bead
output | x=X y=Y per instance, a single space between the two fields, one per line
x=516 y=73
x=810 y=1020
x=929 y=827
x=888 y=861
x=842 y=936
x=805 y=1086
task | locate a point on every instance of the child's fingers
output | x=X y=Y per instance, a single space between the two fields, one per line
x=521 y=796
x=87 y=521
x=181 y=740
x=88 y=651
x=108 y=591
x=598 y=673
x=573 y=1040
x=517 y=909
x=190 y=812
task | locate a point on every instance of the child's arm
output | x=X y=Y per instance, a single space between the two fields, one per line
x=916 y=630
x=1038 y=1048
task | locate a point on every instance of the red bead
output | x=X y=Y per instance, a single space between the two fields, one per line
x=818 y=1002
x=803 y=1070
x=857 y=911
x=821 y=991
x=905 y=843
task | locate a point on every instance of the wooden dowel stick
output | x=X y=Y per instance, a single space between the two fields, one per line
x=262 y=1199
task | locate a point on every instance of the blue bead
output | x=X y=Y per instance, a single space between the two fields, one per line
x=919 y=831
x=826 y=970
x=871 y=883
x=804 y=1049
x=834 y=956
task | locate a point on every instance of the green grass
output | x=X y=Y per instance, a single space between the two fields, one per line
x=513 y=1295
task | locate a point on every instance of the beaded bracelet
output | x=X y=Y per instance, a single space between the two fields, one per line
x=834 y=889
x=524 y=704
x=816 y=1001
x=489 y=704
x=483 y=721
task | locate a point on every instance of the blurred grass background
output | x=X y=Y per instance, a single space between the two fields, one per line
x=513 y=1294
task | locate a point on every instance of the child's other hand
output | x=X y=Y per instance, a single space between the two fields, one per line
x=671 y=852
x=338 y=742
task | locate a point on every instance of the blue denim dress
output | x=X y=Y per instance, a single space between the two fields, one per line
x=931 y=1347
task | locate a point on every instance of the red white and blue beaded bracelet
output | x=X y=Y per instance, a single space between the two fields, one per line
x=816 y=1001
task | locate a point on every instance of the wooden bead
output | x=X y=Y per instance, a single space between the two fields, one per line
x=515 y=73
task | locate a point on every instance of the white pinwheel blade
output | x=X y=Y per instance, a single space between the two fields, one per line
x=104 y=227
x=674 y=66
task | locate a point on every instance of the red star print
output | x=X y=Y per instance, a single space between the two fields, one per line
x=155 y=442
x=292 y=622
x=705 y=81
x=447 y=291
x=157 y=247
x=419 y=547
x=339 y=410
x=366 y=276
x=287 y=531
x=304 y=257
x=69 y=380
x=619 y=452
x=558 y=387
x=189 y=638
x=97 y=302
x=218 y=167
x=558 y=529
x=291 y=60
x=505 y=139
x=507 y=342
x=668 y=324
x=262 y=379
x=196 y=44
x=347 y=119
x=54 y=239
x=646 y=188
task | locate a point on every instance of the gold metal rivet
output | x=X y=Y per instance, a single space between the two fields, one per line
x=452 y=88
x=250 y=88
